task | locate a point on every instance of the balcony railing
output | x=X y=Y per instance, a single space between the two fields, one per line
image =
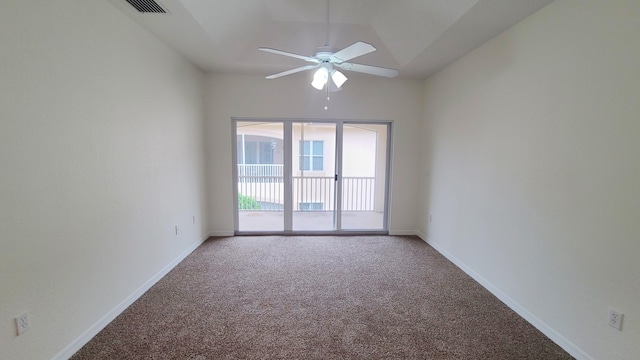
x=265 y=185
x=260 y=173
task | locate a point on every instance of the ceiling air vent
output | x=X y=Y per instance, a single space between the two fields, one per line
x=147 y=6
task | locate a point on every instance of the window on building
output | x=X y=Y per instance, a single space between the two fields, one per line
x=256 y=152
x=310 y=206
x=311 y=155
x=251 y=152
x=266 y=152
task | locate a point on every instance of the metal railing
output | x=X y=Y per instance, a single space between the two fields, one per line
x=310 y=193
x=313 y=193
x=358 y=194
x=260 y=172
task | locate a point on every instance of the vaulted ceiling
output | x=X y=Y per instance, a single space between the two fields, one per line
x=417 y=37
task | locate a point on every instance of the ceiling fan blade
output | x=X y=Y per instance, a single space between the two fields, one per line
x=373 y=70
x=292 y=71
x=280 y=52
x=353 y=51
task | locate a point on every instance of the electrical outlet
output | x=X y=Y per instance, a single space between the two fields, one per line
x=177 y=229
x=194 y=219
x=22 y=323
x=615 y=319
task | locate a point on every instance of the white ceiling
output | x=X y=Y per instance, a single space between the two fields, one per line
x=417 y=37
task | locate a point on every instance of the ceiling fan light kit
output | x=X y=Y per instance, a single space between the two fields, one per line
x=326 y=60
x=338 y=78
x=320 y=78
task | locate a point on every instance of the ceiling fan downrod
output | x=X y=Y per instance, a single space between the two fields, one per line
x=326 y=43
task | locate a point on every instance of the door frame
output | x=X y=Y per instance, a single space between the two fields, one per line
x=288 y=177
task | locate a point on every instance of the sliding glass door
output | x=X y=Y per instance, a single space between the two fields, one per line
x=364 y=176
x=260 y=175
x=313 y=181
x=310 y=176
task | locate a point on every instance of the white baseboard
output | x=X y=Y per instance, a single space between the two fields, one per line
x=78 y=343
x=567 y=345
x=221 y=233
x=402 y=233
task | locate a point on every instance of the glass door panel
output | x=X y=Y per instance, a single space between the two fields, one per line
x=364 y=174
x=313 y=176
x=260 y=175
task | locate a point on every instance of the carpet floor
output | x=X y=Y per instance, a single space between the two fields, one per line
x=318 y=297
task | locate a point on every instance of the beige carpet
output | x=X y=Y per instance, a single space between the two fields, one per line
x=360 y=297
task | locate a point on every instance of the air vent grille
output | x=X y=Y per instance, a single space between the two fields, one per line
x=147 y=6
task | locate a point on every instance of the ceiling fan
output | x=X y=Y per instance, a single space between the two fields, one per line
x=327 y=60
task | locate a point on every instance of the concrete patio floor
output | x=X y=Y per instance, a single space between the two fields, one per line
x=308 y=220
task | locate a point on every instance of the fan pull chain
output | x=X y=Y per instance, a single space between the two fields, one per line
x=326 y=104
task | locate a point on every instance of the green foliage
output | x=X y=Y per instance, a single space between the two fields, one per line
x=247 y=203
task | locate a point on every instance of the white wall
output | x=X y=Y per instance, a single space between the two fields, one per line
x=101 y=154
x=363 y=97
x=532 y=171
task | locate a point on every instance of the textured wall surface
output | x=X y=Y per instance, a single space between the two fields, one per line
x=363 y=98
x=532 y=171
x=101 y=154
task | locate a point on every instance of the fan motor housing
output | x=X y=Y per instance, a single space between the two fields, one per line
x=324 y=52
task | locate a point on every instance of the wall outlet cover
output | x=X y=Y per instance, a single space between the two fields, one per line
x=22 y=323
x=615 y=319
